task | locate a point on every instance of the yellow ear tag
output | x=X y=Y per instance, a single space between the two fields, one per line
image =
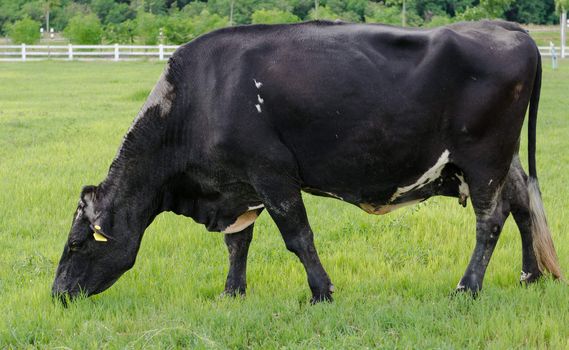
x=99 y=237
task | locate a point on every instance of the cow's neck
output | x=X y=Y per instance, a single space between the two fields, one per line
x=135 y=183
x=145 y=163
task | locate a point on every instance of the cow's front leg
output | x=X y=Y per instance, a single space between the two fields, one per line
x=283 y=202
x=238 y=247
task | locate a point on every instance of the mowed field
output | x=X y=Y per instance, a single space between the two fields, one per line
x=60 y=126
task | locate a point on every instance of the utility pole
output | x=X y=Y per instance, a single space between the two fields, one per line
x=316 y=3
x=563 y=32
x=404 y=15
x=232 y=4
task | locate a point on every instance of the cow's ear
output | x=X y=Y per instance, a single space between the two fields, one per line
x=88 y=202
x=88 y=194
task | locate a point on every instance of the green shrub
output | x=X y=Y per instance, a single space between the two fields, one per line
x=273 y=17
x=147 y=28
x=24 y=31
x=84 y=30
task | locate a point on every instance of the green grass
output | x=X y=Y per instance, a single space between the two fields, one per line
x=60 y=126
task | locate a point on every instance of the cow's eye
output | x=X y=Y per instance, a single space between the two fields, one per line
x=75 y=245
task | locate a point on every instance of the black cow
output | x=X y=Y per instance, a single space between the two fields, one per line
x=244 y=118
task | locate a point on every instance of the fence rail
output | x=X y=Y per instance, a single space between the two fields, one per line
x=123 y=52
x=85 y=52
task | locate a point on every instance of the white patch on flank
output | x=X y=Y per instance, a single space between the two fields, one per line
x=463 y=188
x=258 y=84
x=490 y=182
x=258 y=108
x=429 y=176
x=256 y=207
x=260 y=99
x=242 y=222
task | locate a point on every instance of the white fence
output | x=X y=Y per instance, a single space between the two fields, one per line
x=120 y=52
x=85 y=52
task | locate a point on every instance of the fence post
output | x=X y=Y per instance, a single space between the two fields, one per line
x=161 y=52
x=70 y=52
x=553 y=55
x=116 y=52
x=23 y=52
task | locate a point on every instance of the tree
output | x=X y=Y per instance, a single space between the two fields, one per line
x=120 y=33
x=84 y=30
x=379 y=13
x=24 y=31
x=438 y=21
x=206 y=22
x=487 y=9
x=323 y=12
x=273 y=17
x=531 y=11
x=47 y=6
x=63 y=15
x=562 y=5
x=147 y=28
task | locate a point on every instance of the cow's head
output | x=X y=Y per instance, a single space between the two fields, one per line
x=101 y=246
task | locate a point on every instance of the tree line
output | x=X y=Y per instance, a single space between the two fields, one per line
x=177 y=21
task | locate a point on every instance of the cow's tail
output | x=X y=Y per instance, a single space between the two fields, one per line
x=541 y=236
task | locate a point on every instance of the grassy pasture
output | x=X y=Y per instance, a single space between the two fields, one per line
x=60 y=126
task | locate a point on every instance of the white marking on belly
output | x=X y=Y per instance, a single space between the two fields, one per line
x=258 y=84
x=429 y=176
x=242 y=222
x=388 y=208
x=256 y=207
x=260 y=99
x=333 y=195
x=258 y=108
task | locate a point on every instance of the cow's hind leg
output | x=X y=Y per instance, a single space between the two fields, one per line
x=516 y=190
x=538 y=252
x=491 y=212
x=238 y=247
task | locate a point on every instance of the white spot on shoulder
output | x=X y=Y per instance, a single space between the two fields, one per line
x=258 y=108
x=258 y=84
x=429 y=176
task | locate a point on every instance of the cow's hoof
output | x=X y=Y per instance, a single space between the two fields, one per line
x=326 y=297
x=323 y=296
x=527 y=278
x=233 y=292
x=466 y=289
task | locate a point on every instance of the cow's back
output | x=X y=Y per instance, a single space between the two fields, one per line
x=359 y=106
